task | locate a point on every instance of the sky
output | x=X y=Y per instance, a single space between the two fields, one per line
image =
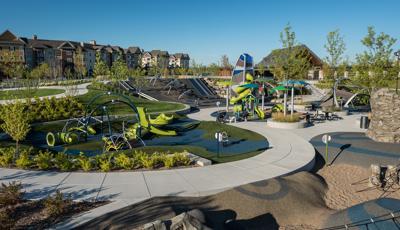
x=205 y=29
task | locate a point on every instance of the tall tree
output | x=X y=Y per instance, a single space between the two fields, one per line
x=292 y=61
x=100 y=67
x=375 y=66
x=335 y=48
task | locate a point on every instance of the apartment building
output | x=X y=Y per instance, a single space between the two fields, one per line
x=179 y=60
x=61 y=54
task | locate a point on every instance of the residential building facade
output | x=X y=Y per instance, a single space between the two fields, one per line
x=61 y=55
x=179 y=60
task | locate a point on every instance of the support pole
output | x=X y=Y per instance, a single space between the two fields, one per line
x=227 y=98
x=326 y=152
x=292 y=102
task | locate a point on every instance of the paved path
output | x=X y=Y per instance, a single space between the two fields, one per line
x=81 y=89
x=290 y=152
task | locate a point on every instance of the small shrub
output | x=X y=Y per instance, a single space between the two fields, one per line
x=6 y=156
x=63 y=162
x=11 y=194
x=124 y=161
x=57 y=205
x=280 y=117
x=147 y=161
x=44 y=160
x=105 y=162
x=169 y=161
x=6 y=220
x=181 y=159
x=24 y=160
x=86 y=163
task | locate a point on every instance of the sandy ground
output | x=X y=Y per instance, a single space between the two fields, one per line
x=342 y=194
x=295 y=202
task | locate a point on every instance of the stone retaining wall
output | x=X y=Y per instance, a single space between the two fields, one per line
x=385 y=117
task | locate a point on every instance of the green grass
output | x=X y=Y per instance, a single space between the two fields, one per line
x=19 y=94
x=151 y=106
x=199 y=151
x=211 y=127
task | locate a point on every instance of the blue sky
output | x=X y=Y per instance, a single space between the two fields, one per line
x=206 y=29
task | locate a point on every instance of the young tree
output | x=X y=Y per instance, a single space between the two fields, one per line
x=225 y=62
x=79 y=63
x=100 y=67
x=11 y=64
x=335 y=48
x=374 y=67
x=16 y=122
x=261 y=69
x=119 y=70
x=290 y=62
x=40 y=71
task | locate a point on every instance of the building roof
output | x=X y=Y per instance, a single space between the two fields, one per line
x=159 y=53
x=268 y=60
x=133 y=50
x=181 y=55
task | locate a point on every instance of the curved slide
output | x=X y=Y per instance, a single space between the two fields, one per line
x=144 y=122
x=242 y=92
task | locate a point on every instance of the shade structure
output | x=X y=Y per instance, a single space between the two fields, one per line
x=244 y=65
x=250 y=86
x=293 y=82
x=278 y=88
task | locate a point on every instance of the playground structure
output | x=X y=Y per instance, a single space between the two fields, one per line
x=97 y=122
x=245 y=103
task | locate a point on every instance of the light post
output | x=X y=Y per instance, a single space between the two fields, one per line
x=397 y=54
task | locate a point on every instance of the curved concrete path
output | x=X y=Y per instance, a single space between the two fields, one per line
x=290 y=152
x=80 y=90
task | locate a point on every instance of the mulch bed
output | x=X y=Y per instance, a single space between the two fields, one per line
x=32 y=214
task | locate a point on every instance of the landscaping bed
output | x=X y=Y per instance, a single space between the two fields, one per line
x=19 y=213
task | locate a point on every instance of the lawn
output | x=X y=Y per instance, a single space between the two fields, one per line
x=18 y=94
x=151 y=106
x=211 y=127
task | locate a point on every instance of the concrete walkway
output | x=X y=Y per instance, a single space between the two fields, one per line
x=80 y=90
x=290 y=152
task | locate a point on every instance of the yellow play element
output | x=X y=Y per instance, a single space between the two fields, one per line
x=145 y=123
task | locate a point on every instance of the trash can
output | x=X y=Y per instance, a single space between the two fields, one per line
x=364 y=122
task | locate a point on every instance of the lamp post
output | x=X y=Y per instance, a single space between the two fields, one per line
x=397 y=54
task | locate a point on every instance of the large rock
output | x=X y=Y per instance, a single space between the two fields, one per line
x=385 y=116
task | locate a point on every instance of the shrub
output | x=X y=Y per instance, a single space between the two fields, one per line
x=57 y=205
x=6 y=156
x=86 y=163
x=11 y=194
x=6 y=220
x=169 y=161
x=63 y=162
x=151 y=161
x=181 y=159
x=24 y=160
x=280 y=117
x=105 y=161
x=124 y=161
x=44 y=160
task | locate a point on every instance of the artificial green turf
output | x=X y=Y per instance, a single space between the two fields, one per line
x=151 y=106
x=18 y=94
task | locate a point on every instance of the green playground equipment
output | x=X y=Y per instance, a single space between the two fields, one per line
x=161 y=119
x=80 y=129
x=244 y=86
